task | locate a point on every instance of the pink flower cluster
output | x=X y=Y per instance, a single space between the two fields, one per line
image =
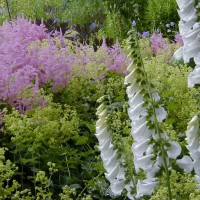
x=158 y=43
x=30 y=58
x=26 y=64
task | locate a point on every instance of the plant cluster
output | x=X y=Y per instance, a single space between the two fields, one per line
x=57 y=142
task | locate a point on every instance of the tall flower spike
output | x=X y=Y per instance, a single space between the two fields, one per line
x=114 y=172
x=190 y=32
x=146 y=114
x=193 y=140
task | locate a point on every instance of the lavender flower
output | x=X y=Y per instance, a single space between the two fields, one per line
x=158 y=43
x=145 y=34
x=133 y=23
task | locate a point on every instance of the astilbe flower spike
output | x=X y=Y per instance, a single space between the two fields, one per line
x=146 y=114
x=112 y=164
x=190 y=32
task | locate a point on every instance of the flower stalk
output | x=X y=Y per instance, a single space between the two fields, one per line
x=113 y=163
x=151 y=148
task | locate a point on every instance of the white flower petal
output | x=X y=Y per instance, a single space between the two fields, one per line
x=194 y=77
x=102 y=133
x=103 y=113
x=100 y=109
x=139 y=148
x=136 y=99
x=143 y=162
x=117 y=186
x=193 y=144
x=137 y=112
x=174 y=150
x=130 y=78
x=112 y=174
x=100 y=122
x=145 y=187
x=110 y=163
x=160 y=114
x=130 y=67
x=193 y=128
x=142 y=133
x=132 y=89
x=186 y=164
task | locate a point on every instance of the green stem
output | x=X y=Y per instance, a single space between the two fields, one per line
x=8 y=9
x=87 y=186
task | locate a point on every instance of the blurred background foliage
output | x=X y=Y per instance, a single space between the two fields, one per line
x=95 y=19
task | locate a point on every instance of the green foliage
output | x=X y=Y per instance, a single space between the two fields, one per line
x=183 y=187
x=84 y=12
x=171 y=82
x=35 y=9
x=53 y=130
x=161 y=12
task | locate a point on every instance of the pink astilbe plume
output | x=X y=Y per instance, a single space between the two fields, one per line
x=158 y=43
x=26 y=62
x=178 y=39
x=118 y=58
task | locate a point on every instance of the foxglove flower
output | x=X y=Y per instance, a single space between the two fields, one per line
x=190 y=32
x=143 y=150
x=193 y=140
x=114 y=172
x=145 y=187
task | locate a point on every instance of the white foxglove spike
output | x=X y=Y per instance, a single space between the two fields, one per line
x=190 y=32
x=193 y=140
x=114 y=172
